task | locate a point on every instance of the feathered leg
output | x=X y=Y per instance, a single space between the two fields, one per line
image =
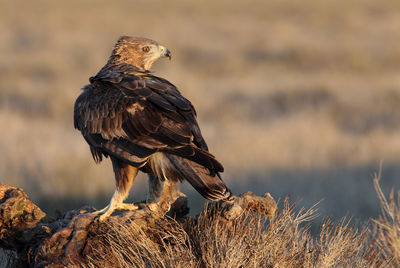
x=156 y=187
x=124 y=177
x=162 y=193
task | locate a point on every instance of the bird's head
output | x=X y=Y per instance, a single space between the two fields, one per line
x=139 y=52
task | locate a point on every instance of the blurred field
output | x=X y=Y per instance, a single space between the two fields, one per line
x=297 y=98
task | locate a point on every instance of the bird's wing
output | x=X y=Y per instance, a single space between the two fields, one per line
x=132 y=117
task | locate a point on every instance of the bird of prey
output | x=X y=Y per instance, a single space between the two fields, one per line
x=142 y=122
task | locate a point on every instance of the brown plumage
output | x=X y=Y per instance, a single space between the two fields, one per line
x=142 y=122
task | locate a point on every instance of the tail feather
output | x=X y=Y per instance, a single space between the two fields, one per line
x=208 y=184
x=200 y=156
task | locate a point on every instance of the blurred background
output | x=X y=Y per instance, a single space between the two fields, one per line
x=297 y=98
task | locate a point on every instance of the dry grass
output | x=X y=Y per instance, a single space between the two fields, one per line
x=248 y=241
x=254 y=241
x=387 y=226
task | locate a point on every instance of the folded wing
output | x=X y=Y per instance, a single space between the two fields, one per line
x=131 y=117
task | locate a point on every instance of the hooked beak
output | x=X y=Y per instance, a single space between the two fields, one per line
x=165 y=52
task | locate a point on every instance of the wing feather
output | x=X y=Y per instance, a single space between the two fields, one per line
x=132 y=117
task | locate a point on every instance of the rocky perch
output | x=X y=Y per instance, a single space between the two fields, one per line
x=141 y=238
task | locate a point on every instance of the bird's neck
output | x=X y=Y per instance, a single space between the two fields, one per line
x=115 y=65
x=133 y=60
x=114 y=69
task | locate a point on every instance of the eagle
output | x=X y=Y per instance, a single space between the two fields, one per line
x=143 y=123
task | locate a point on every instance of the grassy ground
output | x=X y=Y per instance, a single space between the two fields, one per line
x=251 y=240
x=294 y=98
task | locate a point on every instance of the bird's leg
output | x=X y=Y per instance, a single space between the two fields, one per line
x=124 y=176
x=156 y=187
x=171 y=192
x=162 y=193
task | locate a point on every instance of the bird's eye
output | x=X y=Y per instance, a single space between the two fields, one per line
x=146 y=49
